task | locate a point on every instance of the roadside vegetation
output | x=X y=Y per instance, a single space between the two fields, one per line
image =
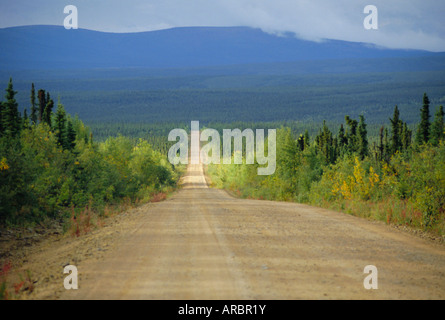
x=52 y=170
x=399 y=178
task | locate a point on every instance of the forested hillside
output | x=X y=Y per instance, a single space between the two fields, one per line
x=399 y=178
x=171 y=48
x=52 y=169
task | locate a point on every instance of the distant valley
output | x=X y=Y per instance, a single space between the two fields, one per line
x=217 y=75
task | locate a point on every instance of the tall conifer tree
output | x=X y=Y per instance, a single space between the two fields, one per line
x=70 y=142
x=396 y=141
x=11 y=119
x=60 y=125
x=48 y=110
x=42 y=103
x=33 y=116
x=423 y=130
x=437 y=128
x=362 y=135
x=406 y=136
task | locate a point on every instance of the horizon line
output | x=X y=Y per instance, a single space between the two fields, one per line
x=272 y=33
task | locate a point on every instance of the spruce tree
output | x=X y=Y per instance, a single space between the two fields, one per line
x=42 y=103
x=381 y=151
x=437 y=128
x=70 y=142
x=351 y=135
x=60 y=126
x=325 y=145
x=10 y=115
x=423 y=130
x=406 y=137
x=386 y=151
x=335 y=150
x=342 y=139
x=33 y=105
x=396 y=141
x=341 y=142
x=25 y=119
x=362 y=135
x=48 y=111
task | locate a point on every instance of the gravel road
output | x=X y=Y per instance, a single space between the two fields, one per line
x=204 y=244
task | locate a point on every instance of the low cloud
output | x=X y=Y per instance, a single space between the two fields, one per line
x=416 y=24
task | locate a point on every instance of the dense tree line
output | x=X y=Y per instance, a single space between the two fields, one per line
x=49 y=164
x=396 y=178
x=248 y=98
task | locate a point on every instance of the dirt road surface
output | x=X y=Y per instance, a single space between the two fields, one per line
x=204 y=244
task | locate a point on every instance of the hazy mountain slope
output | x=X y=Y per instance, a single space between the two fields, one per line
x=53 y=47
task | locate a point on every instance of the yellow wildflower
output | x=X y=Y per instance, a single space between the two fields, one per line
x=3 y=164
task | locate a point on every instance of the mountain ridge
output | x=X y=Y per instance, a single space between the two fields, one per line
x=54 y=47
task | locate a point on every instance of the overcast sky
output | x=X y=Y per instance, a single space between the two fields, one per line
x=417 y=24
